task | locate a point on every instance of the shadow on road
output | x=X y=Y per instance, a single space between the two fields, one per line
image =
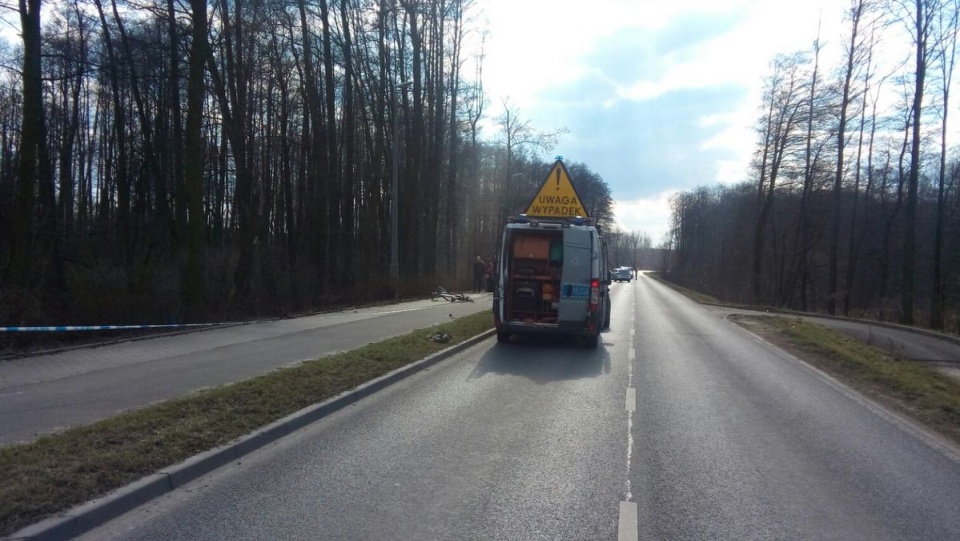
x=544 y=359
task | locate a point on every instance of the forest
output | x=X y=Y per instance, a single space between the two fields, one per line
x=165 y=161
x=854 y=204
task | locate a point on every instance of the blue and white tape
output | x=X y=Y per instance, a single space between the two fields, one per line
x=68 y=328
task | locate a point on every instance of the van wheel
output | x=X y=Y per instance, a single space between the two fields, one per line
x=593 y=341
x=503 y=337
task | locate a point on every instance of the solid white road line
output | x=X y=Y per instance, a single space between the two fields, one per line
x=631 y=399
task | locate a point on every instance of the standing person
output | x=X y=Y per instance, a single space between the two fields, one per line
x=478 y=269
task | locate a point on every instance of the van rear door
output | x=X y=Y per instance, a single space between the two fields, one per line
x=575 y=278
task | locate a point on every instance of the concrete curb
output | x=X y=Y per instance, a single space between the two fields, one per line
x=87 y=516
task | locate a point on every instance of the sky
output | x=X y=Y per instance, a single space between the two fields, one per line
x=659 y=96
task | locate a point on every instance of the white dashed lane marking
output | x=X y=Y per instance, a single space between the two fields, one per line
x=627 y=529
x=627 y=525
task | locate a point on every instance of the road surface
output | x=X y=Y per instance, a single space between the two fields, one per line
x=46 y=393
x=680 y=425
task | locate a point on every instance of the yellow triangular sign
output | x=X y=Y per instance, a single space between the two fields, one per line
x=557 y=197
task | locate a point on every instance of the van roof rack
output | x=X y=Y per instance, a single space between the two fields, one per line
x=559 y=220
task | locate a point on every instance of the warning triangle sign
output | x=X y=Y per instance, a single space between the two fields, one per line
x=557 y=197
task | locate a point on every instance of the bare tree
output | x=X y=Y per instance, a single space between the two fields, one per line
x=476 y=101
x=919 y=17
x=193 y=291
x=854 y=58
x=945 y=58
x=870 y=97
x=814 y=112
x=519 y=135
x=35 y=224
x=194 y=142
x=778 y=129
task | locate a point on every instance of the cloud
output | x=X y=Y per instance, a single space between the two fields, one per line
x=650 y=215
x=640 y=147
x=643 y=63
x=645 y=111
x=657 y=96
x=689 y=31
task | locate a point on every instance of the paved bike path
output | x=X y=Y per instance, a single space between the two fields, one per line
x=46 y=393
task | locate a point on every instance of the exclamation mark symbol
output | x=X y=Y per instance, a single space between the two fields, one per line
x=558 y=179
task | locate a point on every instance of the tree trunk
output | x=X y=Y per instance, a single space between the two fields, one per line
x=193 y=280
x=334 y=192
x=910 y=209
x=855 y=14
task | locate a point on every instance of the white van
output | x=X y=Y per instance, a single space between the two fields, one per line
x=552 y=279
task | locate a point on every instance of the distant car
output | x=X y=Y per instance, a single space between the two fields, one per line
x=622 y=274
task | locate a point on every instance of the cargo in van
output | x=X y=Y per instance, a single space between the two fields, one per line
x=552 y=279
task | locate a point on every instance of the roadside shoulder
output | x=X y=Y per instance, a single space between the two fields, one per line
x=914 y=396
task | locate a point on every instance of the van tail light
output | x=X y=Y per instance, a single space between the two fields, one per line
x=594 y=295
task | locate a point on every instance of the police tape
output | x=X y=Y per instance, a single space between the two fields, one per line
x=66 y=328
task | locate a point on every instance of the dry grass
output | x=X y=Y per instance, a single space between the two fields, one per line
x=57 y=472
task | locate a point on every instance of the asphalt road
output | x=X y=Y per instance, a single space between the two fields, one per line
x=679 y=426
x=46 y=393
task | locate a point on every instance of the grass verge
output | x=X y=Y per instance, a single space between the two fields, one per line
x=57 y=472
x=912 y=389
